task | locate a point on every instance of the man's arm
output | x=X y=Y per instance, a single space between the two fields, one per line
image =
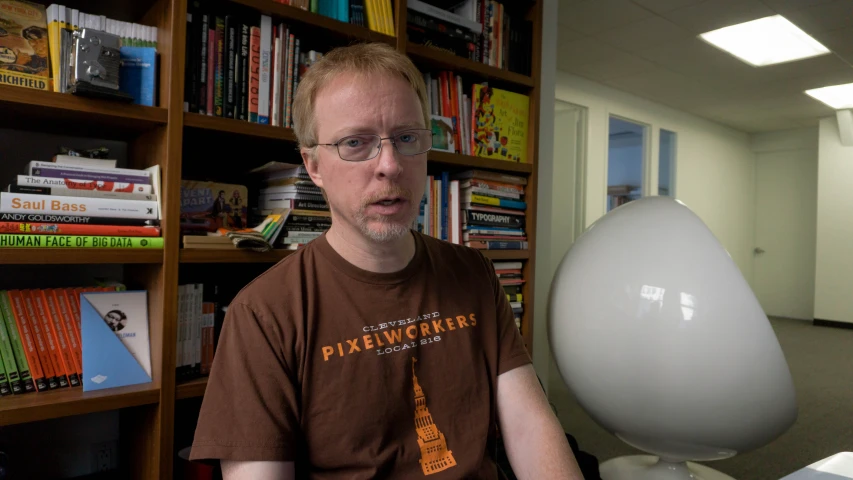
x=535 y=442
x=238 y=470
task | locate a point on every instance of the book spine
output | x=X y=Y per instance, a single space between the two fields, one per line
x=61 y=336
x=201 y=35
x=78 y=229
x=492 y=219
x=265 y=70
x=12 y=375
x=497 y=245
x=144 y=175
x=495 y=201
x=277 y=70
x=77 y=241
x=29 y=312
x=75 y=219
x=74 y=183
x=49 y=337
x=95 y=207
x=70 y=325
x=73 y=192
x=65 y=173
x=244 y=72
x=255 y=72
x=72 y=299
x=229 y=66
x=5 y=389
x=218 y=86
x=21 y=361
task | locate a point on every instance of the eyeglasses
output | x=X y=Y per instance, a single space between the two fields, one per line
x=359 y=148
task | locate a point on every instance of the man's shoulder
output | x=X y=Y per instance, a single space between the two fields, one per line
x=280 y=281
x=452 y=255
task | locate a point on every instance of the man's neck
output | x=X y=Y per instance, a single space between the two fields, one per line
x=386 y=257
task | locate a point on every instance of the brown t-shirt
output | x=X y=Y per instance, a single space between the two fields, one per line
x=357 y=375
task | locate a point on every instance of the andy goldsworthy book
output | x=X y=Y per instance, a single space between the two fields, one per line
x=499 y=124
x=24 y=45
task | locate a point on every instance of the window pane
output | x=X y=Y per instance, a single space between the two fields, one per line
x=624 y=162
x=666 y=163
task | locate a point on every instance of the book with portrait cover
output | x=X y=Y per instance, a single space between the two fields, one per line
x=499 y=124
x=24 y=50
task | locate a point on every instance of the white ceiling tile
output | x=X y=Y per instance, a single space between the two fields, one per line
x=839 y=40
x=573 y=54
x=665 y=86
x=644 y=34
x=660 y=6
x=824 y=17
x=699 y=59
x=784 y=6
x=566 y=34
x=714 y=14
x=622 y=65
x=598 y=15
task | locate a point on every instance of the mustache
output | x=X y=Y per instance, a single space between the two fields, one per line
x=392 y=191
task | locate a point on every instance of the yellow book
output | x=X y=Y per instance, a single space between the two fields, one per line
x=389 y=17
x=499 y=124
x=370 y=11
x=24 y=46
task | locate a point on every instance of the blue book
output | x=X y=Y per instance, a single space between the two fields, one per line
x=138 y=74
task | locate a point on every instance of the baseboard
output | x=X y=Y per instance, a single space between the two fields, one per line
x=819 y=322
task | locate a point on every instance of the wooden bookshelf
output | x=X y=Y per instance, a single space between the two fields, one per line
x=69 y=256
x=163 y=135
x=191 y=389
x=32 y=407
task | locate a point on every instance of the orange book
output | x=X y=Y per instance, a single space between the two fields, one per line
x=62 y=337
x=28 y=340
x=29 y=313
x=43 y=319
x=72 y=296
x=67 y=317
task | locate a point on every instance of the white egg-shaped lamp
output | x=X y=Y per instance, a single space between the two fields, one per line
x=660 y=338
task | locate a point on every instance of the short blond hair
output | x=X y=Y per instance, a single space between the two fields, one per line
x=361 y=58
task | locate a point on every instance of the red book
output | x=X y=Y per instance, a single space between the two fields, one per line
x=254 y=72
x=211 y=69
x=79 y=229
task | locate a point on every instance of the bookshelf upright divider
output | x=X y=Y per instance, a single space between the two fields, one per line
x=163 y=135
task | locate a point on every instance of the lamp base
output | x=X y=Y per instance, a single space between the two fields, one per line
x=650 y=467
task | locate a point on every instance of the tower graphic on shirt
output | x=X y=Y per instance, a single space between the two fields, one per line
x=435 y=457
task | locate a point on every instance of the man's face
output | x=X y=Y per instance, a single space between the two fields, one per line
x=376 y=198
x=112 y=319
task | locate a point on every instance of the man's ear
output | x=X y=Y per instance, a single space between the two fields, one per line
x=312 y=166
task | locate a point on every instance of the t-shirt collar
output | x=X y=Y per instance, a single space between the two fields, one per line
x=341 y=264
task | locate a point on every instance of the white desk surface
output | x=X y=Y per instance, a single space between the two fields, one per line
x=836 y=467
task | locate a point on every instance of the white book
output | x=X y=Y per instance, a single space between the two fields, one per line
x=83 y=185
x=35 y=164
x=265 y=70
x=179 y=353
x=90 y=207
x=127 y=315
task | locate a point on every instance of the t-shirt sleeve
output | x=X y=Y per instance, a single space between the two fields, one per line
x=249 y=411
x=511 y=350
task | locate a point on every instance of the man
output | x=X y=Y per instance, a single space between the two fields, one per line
x=374 y=351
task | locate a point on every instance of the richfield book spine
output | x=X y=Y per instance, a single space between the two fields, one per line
x=75 y=219
x=84 y=185
x=94 y=207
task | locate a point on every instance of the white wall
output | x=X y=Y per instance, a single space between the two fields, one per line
x=714 y=164
x=834 y=241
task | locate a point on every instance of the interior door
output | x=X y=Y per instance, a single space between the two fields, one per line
x=785 y=224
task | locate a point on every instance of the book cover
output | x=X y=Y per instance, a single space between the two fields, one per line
x=95 y=207
x=499 y=124
x=17 y=240
x=24 y=48
x=16 y=342
x=443 y=139
x=138 y=74
x=114 y=331
x=208 y=206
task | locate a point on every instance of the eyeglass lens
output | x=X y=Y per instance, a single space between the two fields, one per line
x=363 y=147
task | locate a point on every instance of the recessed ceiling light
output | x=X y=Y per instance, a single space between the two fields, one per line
x=765 y=41
x=836 y=96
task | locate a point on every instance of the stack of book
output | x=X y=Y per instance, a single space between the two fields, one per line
x=512 y=281
x=198 y=324
x=308 y=212
x=81 y=202
x=40 y=339
x=493 y=210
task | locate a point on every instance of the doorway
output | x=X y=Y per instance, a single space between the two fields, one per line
x=626 y=161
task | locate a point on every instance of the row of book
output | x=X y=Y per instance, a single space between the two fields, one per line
x=378 y=15
x=242 y=68
x=199 y=323
x=511 y=279
x=75 y=201
x=479 y=30
x=475 y=208
x=489 y=123
x=291 y=190
x=40 y=339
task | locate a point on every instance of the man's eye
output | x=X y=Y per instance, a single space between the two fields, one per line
x=408 y=138
x=353 y=142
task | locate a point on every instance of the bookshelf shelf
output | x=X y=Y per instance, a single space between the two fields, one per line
x=329 y=26
x=506 y=254
x=467 y=161
x=238 y=127
x=231 y=256
x=427 y=56
x=70 y=256
x=191 y=389
x=33 y=407
x=68 y=114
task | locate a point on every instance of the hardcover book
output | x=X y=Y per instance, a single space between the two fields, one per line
x=24 y=50
x=499 y=121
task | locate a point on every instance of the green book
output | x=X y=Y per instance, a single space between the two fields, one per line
x=17 y=346
x=12 y=240
x=8 y=358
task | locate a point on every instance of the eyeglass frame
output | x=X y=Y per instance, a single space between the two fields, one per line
x=379 y=151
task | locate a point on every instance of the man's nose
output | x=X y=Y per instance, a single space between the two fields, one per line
x=390 y=161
